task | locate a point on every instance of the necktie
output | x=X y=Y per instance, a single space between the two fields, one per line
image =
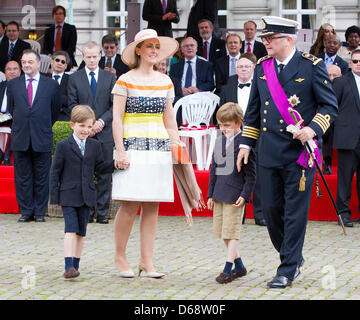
x=82 y=147
x=328 y=61
x=58 y=39
x=93 y=83
x=164 y=6
x=248 y=47
x=281 y=67
x=205 y=50
x=11 y=51
x=57 y=77
x=242 y=85
x=30 y=91
x=232 y=66
x=108 y=63
x=188 y=77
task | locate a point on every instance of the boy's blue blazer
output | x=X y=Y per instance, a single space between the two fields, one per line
x=72 y=175
x=230 y=186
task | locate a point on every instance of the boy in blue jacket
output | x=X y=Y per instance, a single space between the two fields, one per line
x=72 y=182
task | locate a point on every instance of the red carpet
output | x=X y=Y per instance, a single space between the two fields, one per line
x=320 y=209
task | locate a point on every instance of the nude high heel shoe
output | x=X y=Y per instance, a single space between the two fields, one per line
x=127 y=274
x=151 y=274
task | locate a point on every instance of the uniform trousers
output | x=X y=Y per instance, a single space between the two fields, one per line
x=286 y=210
x=348 y=164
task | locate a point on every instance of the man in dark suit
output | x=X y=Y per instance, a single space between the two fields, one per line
x=92 y=86
x=286 y=73
x=250 y=44
x=194 y=73
x=328 y=138
x=226 y=65
x=63 y=38
x=34 y=103
x=160 y=14
x=111 y=61
x=11 y=48
x=2 y=30
x=347 y=134
x=59 y=63
x=12 y=71
x=209 y=47
x=202 y=9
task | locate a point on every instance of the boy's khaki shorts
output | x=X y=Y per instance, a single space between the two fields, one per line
x=227 y=220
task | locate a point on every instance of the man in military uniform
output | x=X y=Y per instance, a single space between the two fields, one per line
x=284 y=79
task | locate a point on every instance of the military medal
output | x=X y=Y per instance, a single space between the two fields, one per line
x=294 y=100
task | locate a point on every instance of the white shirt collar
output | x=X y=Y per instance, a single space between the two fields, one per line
x=252 y=42
x=208 y=40
x=286 y=61
x=36 y=77
x=61 y=24
x=78 y=140
x=234 y=136
x=96 y=71
x=14 y=42
x=237 y=57
x=357 y=78
x=193 y=60
x=332 y=57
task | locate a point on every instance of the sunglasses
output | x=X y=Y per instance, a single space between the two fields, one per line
x=271 y=38
x=59 y=60
x=355 y=61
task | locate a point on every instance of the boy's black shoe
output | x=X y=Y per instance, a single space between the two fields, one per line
x=238 y=274
x=39 y=219
x=279 y=282
x=102 y=220
x=223 y=278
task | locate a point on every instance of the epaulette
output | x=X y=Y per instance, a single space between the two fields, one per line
x=315 y=60
x=263 y=59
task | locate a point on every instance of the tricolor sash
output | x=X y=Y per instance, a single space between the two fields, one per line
x=281 y=102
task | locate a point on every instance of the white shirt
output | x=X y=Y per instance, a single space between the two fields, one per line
x=4 y=103
x=286 y=61
x=34 y=83
x=252 y=43
x=230 y=58
x=208 y=46
x=357 y=80
x=193 y=67
x=58 y=74
x=78 y=141
x=96 y=75
x=243 y=96
x=10 y=42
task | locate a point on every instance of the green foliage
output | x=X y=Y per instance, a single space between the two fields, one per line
x=61 y=130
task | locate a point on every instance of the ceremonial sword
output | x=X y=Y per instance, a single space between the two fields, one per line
x=310 y=148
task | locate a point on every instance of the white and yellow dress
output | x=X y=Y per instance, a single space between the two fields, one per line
x=149 y=176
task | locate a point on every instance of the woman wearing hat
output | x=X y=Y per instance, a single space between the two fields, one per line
x=143 y=126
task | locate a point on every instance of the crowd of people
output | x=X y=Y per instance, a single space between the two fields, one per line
x=125 y=103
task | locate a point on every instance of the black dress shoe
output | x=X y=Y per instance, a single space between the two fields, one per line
x=299 y=265
x=26 y=218
x=102 y=220
x=279 y=282
x=260 y=222
x=39 y=219
x=347 y=222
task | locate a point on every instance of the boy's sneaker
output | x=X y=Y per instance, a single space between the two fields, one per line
x=238 y=274
x=223 y=278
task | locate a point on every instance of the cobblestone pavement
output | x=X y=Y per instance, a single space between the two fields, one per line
x=31 y=264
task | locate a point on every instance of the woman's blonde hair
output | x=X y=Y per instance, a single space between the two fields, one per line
x=81 y=113
x=230 y=111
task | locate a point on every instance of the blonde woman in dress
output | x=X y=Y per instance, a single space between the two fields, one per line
x=143 y=126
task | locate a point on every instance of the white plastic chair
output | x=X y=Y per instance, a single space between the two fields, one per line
x=34 y=45
x=45 y=63
x=197 y=109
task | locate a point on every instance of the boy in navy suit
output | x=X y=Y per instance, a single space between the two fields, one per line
x=72 y=182
x=230 y=189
